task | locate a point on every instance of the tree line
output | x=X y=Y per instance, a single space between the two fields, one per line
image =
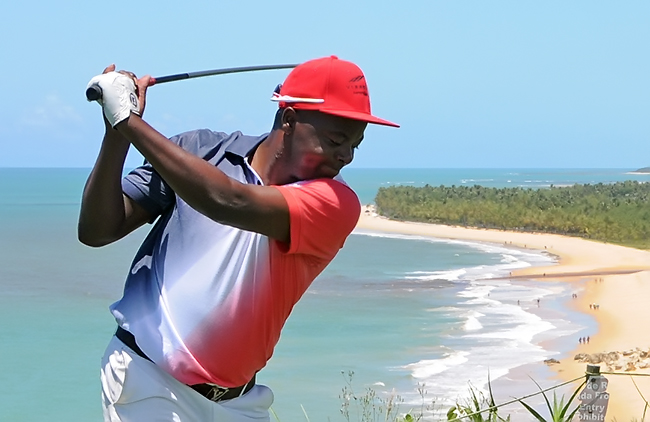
x=617 y=213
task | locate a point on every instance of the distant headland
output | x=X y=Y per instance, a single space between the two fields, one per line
x=645 y=170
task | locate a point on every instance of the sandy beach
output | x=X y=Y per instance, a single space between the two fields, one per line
x=615 y=278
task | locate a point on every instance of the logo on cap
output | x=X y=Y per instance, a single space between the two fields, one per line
x=358 y=85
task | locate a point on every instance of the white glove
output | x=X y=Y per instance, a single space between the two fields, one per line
x=118 y=98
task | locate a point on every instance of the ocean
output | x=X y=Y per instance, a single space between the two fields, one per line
x=402 y=313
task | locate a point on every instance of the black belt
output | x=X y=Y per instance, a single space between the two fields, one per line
x=212 y=392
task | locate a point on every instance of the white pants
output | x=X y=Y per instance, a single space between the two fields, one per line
x=136 y=390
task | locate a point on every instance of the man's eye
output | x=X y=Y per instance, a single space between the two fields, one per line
x=332 y=141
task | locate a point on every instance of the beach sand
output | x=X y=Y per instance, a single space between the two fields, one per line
x=616 y=278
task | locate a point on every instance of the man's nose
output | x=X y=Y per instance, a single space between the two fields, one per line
x=345 y=154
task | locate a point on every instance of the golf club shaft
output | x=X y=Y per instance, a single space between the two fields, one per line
x=94 y=93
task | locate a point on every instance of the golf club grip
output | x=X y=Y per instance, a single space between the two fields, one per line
x=93 y=93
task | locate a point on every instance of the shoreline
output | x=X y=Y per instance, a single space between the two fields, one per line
x=616 y=278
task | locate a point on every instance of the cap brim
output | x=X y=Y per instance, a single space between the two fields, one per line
x=355 y=115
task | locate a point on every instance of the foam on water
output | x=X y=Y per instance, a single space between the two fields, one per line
x=472 y=323
x=494 y=314
x=451 y=275
x=425 y=369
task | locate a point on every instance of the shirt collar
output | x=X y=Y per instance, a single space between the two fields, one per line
x=245 y=145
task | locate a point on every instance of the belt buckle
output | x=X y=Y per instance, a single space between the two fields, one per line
x=216 y=392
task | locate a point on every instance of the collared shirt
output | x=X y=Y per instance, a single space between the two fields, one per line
x=206 y=301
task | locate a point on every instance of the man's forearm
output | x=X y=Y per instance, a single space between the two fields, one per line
x=102 y=213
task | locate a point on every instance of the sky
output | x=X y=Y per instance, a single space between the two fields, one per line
x=474 y=84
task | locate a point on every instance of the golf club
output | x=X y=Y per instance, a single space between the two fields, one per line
x=94 y=92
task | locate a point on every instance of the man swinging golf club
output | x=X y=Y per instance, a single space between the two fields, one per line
x=243 y=225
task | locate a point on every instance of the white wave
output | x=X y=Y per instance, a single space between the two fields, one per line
x=476 y=290
x=475 y=180
x=429 y=367
x=472 y=323
x=482 y=246
x=451 y=275
x=509 y=258
x=522 y=333
x=444 y=309
x=398 y=183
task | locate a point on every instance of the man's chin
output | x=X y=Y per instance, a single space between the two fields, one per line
x=330 y=172
x=323 y=173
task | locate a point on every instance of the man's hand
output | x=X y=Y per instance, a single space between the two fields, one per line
x=141 y=86
x=119 y=98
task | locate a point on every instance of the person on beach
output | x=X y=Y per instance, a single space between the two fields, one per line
x=243 y=225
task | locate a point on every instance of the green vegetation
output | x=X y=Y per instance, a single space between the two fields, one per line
x=617 y=213
x=559 y=410
x=370 y=407
x=477 y=407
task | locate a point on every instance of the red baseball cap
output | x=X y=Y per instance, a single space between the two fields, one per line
x=330 y=86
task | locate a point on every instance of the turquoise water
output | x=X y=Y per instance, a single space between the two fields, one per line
x=396 y=310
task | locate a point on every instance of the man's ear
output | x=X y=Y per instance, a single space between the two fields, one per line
x=289 y=119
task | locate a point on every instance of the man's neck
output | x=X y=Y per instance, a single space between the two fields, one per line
x=264 y=157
